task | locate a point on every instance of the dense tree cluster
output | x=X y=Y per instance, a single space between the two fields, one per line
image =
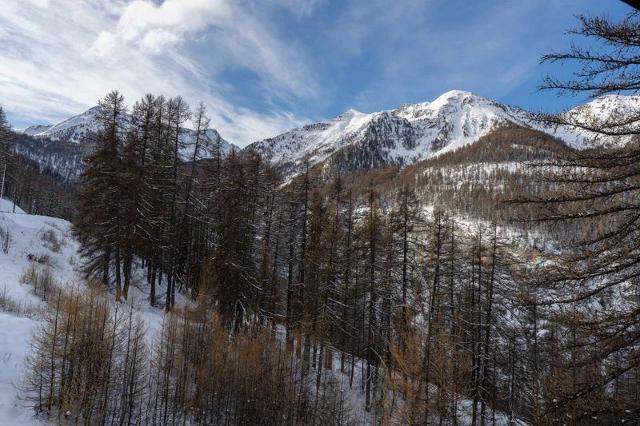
x=35 y=189
x=93 y=363
x=6 y=150
x=145 y=194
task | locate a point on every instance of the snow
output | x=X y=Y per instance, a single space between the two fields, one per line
x=406 y=135
x=34 y=130
x=28 y=245
x=8 y=206
x=14 y=346
x=73 y=129
x=15 y=330
x=599 y=112
x=401 y=136
x=458 y=116
x=26 y=238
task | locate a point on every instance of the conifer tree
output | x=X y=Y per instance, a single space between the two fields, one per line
x=6 y=152
x=98 y=224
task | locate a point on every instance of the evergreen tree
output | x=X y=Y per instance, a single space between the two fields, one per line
x=98 y=225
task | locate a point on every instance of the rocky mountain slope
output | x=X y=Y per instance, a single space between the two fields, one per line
x=403 y=136
x=34 y=130
x=60 y=158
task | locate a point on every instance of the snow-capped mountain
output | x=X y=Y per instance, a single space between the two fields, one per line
x=77 y=128
x=74 y=129
x=400 y=137
x=61 y=147
x=411 y=133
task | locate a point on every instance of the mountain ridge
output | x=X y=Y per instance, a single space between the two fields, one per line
x=402 y=136
x=77 y=128
x=414 y=132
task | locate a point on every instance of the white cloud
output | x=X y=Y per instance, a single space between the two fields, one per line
x=60 y=56
x=144 y=23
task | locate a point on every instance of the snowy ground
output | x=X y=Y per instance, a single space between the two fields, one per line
x=25 y=246
x=30 y=244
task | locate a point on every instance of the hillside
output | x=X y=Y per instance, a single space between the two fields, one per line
x=42 y=248
x=28 y=241
x=349 y=270
x=38 y=256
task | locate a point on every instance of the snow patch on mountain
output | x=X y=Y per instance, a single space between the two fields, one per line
x=74 y=129
x=604 y=112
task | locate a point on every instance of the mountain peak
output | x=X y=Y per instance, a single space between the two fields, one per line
x=350 y=113
x=457 y=94
x=457 y=97
x=394 y=137
x=35 y=129
x=609 y=104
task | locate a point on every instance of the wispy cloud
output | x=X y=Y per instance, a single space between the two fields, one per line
x=60 y=56
x=262 y=66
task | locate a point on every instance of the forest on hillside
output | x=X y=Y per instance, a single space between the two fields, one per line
x=442 y=293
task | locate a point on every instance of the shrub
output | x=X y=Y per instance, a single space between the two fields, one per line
x=52 y=241
x=88 y=362
x=41 y=279
x=16 y=307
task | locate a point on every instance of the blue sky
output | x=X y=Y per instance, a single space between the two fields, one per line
x=264 y=66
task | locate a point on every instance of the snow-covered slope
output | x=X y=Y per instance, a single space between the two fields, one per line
x=402 y=136
x=63 y=159
x=29 y=243
x=74 y=129
x=45 y=243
